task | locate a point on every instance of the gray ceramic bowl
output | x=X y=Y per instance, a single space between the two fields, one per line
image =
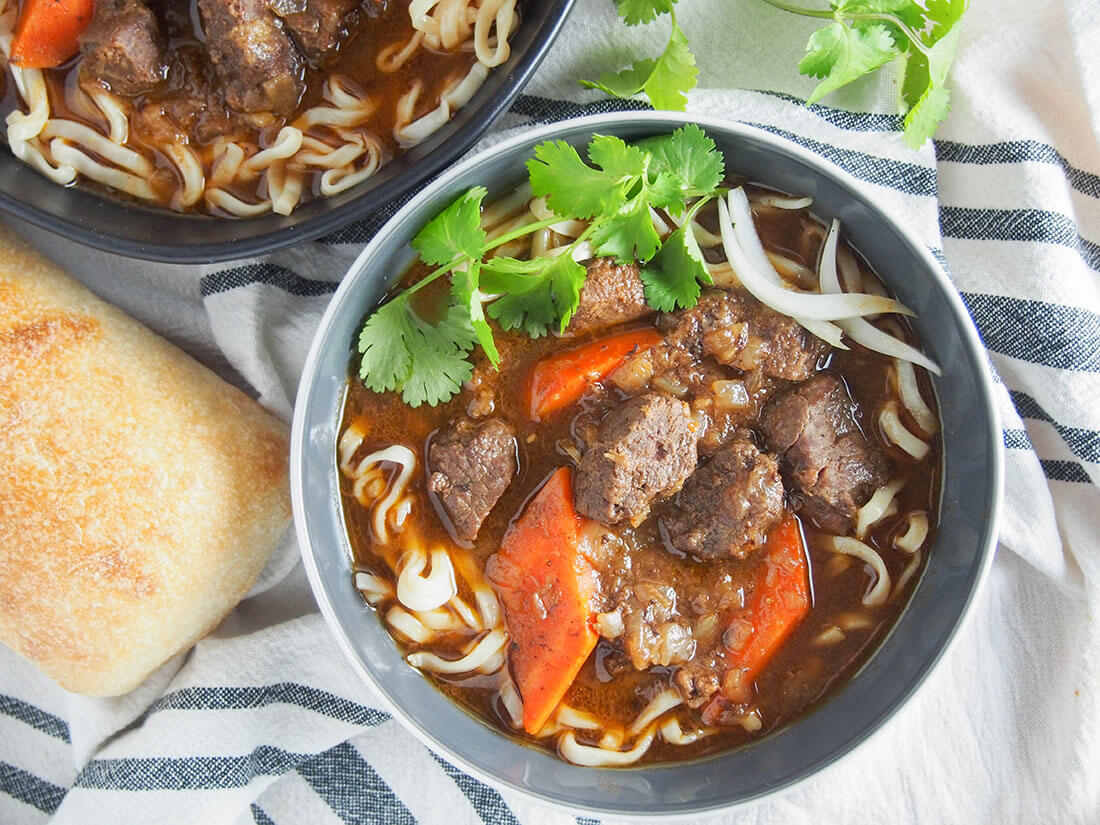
x=957 y=566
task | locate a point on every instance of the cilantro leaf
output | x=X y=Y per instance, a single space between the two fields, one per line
x=687 y=159
x=925 y=75
x=386 y=361
x=465 y=289
x=674 y=75
x=867 y=34
x=536 y=294
x=401 y=351
x=571 y=186
x=616 y=158
x=907 y=12
x=628 y=234
x=840 y=54
x=672 y=278
x=455 y=232
x=634 y=12
x=665 y=81
x=439 y=359
x=625 y=83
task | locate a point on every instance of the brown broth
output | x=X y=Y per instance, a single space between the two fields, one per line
x=802 y=673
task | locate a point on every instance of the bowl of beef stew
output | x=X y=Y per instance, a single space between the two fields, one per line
x=654 y=526
x=227 y=129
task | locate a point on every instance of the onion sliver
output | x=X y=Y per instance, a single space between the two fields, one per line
x=749 y=240
x=798 y=304
x=859 y=329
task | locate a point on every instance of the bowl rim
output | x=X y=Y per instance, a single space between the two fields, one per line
x=468 y=124
x=820 y=166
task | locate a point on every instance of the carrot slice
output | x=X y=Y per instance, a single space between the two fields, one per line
x=48 y=32
x=561 y=379
x=548 y=589
x=780 y=600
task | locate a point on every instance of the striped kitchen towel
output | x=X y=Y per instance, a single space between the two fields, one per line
x=264 y=722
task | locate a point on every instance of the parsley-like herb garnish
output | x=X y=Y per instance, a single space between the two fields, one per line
x=613 y=191
x=863 y=36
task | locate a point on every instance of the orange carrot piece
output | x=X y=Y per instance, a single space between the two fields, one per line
x=48 y=32
x=780 y=600
x=561 y=379
x=548 y=589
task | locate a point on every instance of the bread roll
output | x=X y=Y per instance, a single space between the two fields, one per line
x=140 y=494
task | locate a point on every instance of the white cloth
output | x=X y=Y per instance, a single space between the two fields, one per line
x=264 y=721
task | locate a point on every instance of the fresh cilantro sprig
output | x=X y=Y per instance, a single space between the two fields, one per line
x=867 y=34
x=864 y=35
x=665 y=80
x=614 y=191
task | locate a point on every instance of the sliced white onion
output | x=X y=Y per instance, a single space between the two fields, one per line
x=481 y=653
x=861 y=330
x=783 y=201
x=880 y=591
x=749 y=241
x=418 y=592
x=798 y=304
x=596 y=757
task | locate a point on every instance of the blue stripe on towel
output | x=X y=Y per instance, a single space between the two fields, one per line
x=908 y=178
x=30 y=789
x=288 y=693
x=1085 y=444
x=1018 y=151
x=265 y=273
x=35 y=717
x=1029 y=225
x=842 y=118
x=1017 y=440
x=489 y=804
x=189 y=772
x=259 y=815
x=353 y=789
x=1069 y=471
x=1051 y=335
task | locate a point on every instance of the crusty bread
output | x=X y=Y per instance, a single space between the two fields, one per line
x=140 y=495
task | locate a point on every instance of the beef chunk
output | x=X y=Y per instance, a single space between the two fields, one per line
x=728 y=505
x=258 y=66
x=122 y=48
x=825 y=456
x=470 y=466
x=643 y=450
x=317 y=26
x=737 y=330
x=612 y=294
